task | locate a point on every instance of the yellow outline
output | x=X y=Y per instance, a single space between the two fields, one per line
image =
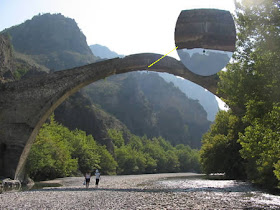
x=161 y=57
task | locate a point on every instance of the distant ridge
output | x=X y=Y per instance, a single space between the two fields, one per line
x=141 y=103
x=103 y=52
x=194 y=91
x=191 y=90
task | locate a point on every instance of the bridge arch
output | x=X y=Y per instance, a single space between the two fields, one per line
x=26 y=104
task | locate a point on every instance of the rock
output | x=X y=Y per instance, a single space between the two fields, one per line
x=9 y=184
x=28 y=182
x=1 y=187
x=6 y=59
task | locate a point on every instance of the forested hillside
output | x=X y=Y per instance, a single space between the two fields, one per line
x=148 y=105
x=53 y=41
x=79 y=112
x=184 y=123
x=196 y=92
x=191 y=90
x=112 y=110
x=59 y=152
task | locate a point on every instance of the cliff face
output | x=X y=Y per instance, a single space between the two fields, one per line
x=6 y=59
x=144 y=103
x=191 y=90
x=14 y=65
x=78 y=112
x=53 y=41
x=194 y=91
x=148 y=105
x=49 y=33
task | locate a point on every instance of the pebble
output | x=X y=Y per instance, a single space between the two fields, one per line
x=149 y=191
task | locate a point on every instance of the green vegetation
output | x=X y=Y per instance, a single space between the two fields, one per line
x=247 y=138
x=220 y=150
x=261 y=148
x=25 y=65
x=141 y=103
x=53 y=41
x=243 y=142
x=150 y=106
x=59 y=152
x=156 y=155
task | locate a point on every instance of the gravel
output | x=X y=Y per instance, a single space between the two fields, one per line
x=153 y=191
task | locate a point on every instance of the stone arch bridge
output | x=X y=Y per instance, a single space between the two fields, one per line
x=26 y=104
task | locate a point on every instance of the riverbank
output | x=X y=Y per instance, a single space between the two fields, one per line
x=153 y=191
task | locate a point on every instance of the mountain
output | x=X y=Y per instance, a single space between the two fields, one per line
x=144 y=104
x=196 y=92
x=58 y=51
x=104 y=52
x=14 y=65
x=191 y=90
x=53 y=41
x=148 y=105
x=204 y=62
x=79 y=112
x=6 y=59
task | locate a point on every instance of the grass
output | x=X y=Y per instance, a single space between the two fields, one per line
x=38 y=186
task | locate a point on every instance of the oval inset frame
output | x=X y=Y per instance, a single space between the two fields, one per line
x=205 y=28
x=205 y=40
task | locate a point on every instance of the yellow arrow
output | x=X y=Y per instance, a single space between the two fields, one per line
x=161 y=57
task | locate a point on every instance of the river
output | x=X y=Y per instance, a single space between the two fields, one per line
x=149 y=191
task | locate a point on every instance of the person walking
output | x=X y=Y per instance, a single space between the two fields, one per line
x=97 y=176
x=87 y=177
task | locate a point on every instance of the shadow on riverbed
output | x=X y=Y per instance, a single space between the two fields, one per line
x=155 y=190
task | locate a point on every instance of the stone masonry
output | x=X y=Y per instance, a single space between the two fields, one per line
x=26 y=104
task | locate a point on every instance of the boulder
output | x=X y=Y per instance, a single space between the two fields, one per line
x=9 y=184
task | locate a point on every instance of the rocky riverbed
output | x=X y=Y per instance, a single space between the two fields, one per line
x=155 y=191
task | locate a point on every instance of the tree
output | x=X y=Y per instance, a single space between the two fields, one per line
x=261 y=147
x=50 y=154
x=107 y=162
x=116 y=136
x=220 y=150
x=253 y=78
x=153 y=148
x=126 y=161
x=172 y=161
x=85 y=150
x=151 y=164
x=184 y=156
x=59 y=152
x=250 y=87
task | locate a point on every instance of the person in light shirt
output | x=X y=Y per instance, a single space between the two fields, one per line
x=97 y=176
x=87 y=177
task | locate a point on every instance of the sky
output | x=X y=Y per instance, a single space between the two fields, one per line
x=125 y=26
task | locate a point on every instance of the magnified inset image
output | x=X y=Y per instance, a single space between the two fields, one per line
x=205 y=40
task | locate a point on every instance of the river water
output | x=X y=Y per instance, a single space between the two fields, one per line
x=218 y=188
